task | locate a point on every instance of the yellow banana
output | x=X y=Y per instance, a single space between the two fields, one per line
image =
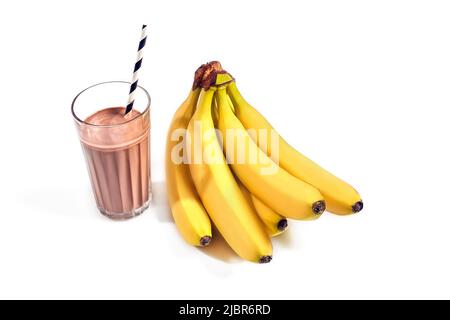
x=274 y=223
x=281 y=191
x=218 y=190
x=340 y=197
x=188 y=212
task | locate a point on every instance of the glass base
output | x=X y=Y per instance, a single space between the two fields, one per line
x=125 y=215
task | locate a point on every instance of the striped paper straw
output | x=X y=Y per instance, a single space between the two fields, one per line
x=137 y=67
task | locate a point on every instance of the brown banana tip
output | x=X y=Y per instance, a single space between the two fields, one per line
x=318 y=207
x=265 y=259
x=358 y=206
x=215 y=66
x=282 y=224
x=198 y=76
x=204 y=241
x=206 y=75
x=206 y=72
x=210 y=73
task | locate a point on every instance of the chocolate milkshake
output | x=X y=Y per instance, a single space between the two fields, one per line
x=117 y=152
x=118 y=161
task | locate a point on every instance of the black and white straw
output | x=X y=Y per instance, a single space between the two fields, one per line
x=137 y=67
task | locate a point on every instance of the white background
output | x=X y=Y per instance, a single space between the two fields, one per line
x=362 y=87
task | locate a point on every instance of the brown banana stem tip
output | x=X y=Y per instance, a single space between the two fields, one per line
x=198 y=76
x=210 y=74
x=318 y=207
x=204 y=241
x=206 y=75
x=214 y=66
x=265 y=259
x=282 y=224
x=358 y=206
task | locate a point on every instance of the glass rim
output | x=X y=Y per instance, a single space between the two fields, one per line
x=72 y=108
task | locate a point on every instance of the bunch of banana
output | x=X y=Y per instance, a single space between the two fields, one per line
x=226 y=164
